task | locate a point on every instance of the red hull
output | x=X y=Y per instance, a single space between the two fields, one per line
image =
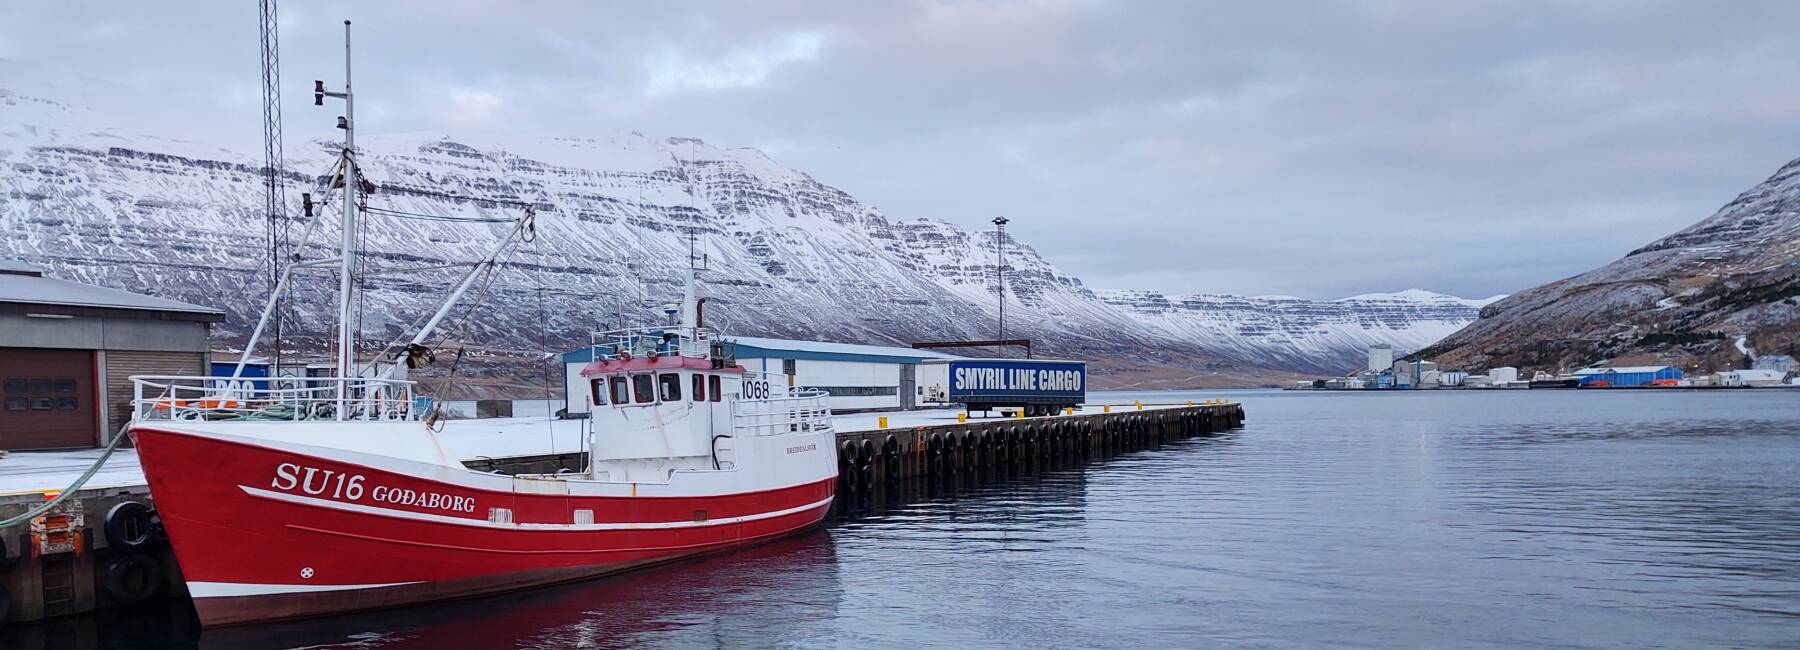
x=259 y=541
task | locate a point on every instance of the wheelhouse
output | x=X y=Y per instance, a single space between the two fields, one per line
x=628 y=383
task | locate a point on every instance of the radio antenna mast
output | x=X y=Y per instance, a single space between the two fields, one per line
x=274 y=191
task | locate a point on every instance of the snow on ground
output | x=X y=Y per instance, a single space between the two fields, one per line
x=37 y=471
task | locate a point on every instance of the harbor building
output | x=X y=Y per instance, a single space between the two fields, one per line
x=858 y=377
x=1411 y=374
x=1381 y=357
x=1628 y=376
x=67 y=350
x=1752 y=378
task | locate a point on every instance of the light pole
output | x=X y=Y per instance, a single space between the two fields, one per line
x=1000 y=270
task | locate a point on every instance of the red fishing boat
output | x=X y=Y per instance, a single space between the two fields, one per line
x=325 y=495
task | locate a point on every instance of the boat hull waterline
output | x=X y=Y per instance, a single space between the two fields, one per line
x=275 y=532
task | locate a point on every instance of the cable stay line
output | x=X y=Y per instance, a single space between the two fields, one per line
x=403 y=189
x=401 y=214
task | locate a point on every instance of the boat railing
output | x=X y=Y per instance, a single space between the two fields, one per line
x=799 y=412
x=646 y=342
x=189 y=398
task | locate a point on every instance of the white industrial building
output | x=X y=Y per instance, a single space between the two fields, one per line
x=1381 y=357
x=1503 y=375
x=858 y=377
x=1755 y=377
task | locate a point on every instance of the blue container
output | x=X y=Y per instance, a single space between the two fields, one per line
x=1018 y=381
x=252 y=382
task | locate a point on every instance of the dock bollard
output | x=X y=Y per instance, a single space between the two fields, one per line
x=1068 y=410
x=1105 y=408
x=962 y=418
x=1190 y=402
x=1139 y=403
x=881 y=422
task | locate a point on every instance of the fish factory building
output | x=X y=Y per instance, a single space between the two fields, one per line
x=858 y=377
x=1628 y=376
x=67 y=351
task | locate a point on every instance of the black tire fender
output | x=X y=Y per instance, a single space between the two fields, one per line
x=134 y=579
x=131 y=526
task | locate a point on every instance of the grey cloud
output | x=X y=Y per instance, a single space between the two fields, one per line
x=1307 y=148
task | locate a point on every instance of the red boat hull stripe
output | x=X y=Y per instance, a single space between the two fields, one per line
x=479 y=523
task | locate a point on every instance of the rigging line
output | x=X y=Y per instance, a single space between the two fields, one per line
x=402 y=189
x=543 y=319
x=391 y=346
x=420 y=269
x=360 y=280
x=462 y=324
x=435 y=217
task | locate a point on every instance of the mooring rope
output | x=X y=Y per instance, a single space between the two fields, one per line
x=69 y=491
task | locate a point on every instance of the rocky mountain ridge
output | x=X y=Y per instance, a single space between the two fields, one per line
x=1704 y=298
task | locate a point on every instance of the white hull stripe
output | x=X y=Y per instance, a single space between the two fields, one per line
x=483 y=523
x=237 y=589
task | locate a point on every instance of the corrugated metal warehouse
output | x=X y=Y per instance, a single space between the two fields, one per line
x=1627 y=376
x=67 y=351
x=859 y=377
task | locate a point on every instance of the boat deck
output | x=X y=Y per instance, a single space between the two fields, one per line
x=36 y=472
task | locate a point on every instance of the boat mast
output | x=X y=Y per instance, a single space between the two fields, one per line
x=690 y=298
x=346 y=343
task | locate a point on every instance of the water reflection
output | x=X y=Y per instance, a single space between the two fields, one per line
x=699 y=603
x=1498 y=519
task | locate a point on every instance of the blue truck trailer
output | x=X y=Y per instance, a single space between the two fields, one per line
x=1039 y=387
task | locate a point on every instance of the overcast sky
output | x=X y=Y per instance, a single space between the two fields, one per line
x=1309 y=148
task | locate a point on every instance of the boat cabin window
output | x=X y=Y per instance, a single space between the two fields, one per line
x=599 y=392
x=668 y=385
x=642 y=391
x=699 y=387
x=621 y=395
x=712 y=384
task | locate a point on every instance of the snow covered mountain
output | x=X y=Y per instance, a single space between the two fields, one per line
x=792 y=257
x=1289 y=332
x=1708 y=296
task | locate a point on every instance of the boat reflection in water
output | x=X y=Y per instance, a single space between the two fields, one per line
x=699 y=602
x=751 y=597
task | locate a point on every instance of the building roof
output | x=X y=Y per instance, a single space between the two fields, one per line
x=18 y=267
x=753 y=347
x=23 y=284
x=1603 y=370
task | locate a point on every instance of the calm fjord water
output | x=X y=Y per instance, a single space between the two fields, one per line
x=1466 y=519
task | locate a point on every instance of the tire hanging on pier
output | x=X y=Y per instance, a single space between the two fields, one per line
x=890 y=453
x=131 y=526
x=865 y=458
x=134 y=579
x=847 y=463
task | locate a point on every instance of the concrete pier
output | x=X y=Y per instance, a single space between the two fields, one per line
x=66 y=561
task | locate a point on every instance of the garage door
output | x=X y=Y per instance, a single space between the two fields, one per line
x=47 y=399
